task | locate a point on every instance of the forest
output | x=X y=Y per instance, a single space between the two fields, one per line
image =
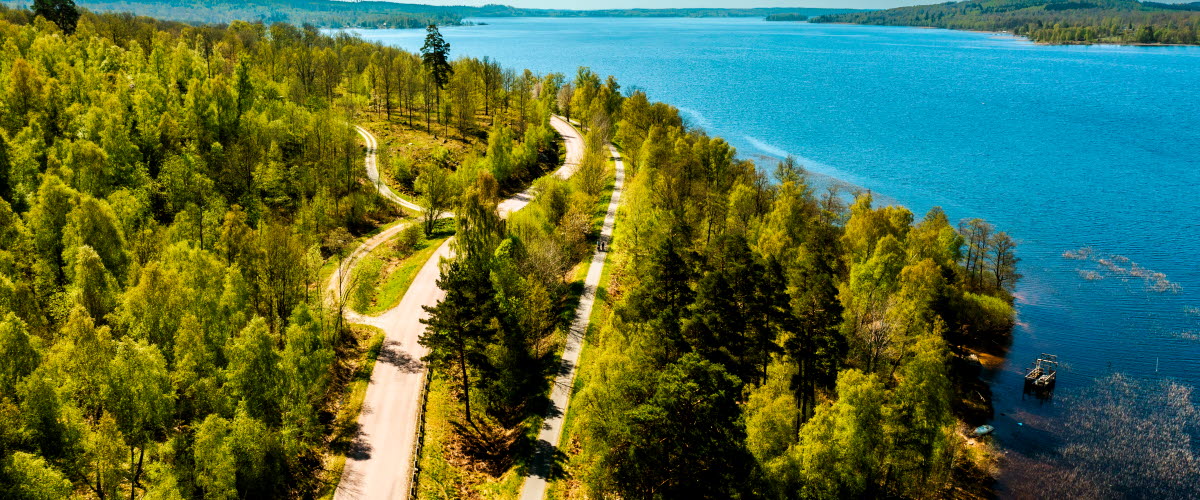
x=173 y=198
x=1050 y=21
x=383 y=14
x=321 y=13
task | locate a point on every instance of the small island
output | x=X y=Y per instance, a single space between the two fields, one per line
x=788 y=16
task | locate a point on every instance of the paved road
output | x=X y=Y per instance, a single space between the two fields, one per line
x=373 y=172
x=560 y=394
x=380 y=464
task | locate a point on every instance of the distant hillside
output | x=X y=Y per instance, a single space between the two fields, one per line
x=1050 y=21
x=381 y=14
x=323 y=13
x=507 y=11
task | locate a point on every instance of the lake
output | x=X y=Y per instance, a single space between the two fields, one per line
x=1089 y=156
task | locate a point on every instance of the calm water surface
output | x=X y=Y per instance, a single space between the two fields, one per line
x=1064 y=147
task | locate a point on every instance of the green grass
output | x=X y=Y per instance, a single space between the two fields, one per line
x=345 y=423
x=391 y=285
x=331 y=263
x=438 y=478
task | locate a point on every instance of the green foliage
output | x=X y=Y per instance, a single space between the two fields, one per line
x=30 y=477
x=1049 y=21
x=410 y=237
x=323 y=13
x=254 y=376
x=680 y=435
x=18 y=353
x=787 y=16
x=830 y=320
x=168 y=195
x=60 y=12
x=435 y=55
x=461 y=326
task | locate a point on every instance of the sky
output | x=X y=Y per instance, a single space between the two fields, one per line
x=663 y=4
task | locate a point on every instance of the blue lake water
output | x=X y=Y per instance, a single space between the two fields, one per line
x=1064 y=147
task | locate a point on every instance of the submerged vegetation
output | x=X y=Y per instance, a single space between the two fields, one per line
x=1050 y=21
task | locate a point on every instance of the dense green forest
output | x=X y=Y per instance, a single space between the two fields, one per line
x=760 y=339
x=787 y=16
x=322 y=13
x=506 y=11
x=383 y=14
x=170 y=197
x=1050 y=21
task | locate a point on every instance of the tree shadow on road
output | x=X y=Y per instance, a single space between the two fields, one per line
x=544 y=461
x=393 y=354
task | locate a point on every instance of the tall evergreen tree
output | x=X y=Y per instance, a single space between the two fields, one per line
x=461 y=326
x=435 y=54
x=60 y=12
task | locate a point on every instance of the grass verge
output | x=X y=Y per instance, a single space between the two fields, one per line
x=397 y=273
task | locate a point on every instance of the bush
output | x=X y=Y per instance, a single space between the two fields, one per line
x=981 y=314
x=408 y=240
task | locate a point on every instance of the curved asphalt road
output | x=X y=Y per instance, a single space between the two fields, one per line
x=380 y=462
x=560 y=394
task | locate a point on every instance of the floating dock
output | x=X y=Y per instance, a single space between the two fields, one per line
x=1044 y=371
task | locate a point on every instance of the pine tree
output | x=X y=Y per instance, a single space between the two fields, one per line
x=435 y=54
x=60 y=12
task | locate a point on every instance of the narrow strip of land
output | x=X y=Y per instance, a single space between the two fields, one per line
x=560 y=394
x=381 y=463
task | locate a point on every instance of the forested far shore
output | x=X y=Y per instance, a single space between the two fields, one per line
x=1050 y=21
x=321 y=13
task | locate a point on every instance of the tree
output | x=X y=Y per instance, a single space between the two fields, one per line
x=253 y=375
x=978 y=236
x=435 y=55
x=195 y=375
x=141 y=399
x=592 y=171
x=18 y=353
x=685 y=440
x=918 y=422
x=46 y=221
x=25 y=92
x=1002 y=261
x=30 y=477
x=460 y=327
x=499 y=153
x=215 y=465
x=663 y=297
x=841 y=448
x=60 y=12
x=305 y=364
x=93 y=223
x=436 y=192
x=6 y=187
x=93 y=287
